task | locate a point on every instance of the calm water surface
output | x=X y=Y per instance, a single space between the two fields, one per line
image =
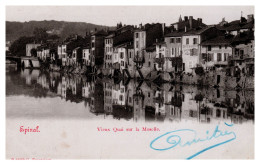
x=35 y=94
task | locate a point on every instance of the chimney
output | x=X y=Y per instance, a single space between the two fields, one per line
x=156 y=40
x=163 y=27
x=199 y=21
x=190 y=21
x=250 y=18
x=186 y=18
x=180 y=20
x=140 y=25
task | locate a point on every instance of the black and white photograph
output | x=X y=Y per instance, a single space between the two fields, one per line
x=129 y=82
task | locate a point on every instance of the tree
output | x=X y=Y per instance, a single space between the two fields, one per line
x=40 y=34
x=18 y=48
x=199 y=71
x=53 y=37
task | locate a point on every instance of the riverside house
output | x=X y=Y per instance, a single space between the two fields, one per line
x=191 y=46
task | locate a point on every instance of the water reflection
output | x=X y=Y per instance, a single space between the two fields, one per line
x=132 y=100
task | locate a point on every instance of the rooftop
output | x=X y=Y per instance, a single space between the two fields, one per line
x=220 y=40
x=175 y=34
x=198 y=31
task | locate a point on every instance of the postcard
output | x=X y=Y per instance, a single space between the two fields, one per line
x=130 y=82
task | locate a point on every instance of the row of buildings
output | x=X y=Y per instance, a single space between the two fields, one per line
x=145 y=101
x=187 y=47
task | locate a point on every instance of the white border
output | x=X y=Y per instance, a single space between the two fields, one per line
x=3 y=3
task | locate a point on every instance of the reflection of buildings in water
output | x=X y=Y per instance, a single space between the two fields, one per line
x=30 y=75
x=55 y=85
x=189 y=107
x=213 y=112
x=87 y=103
x=147 y=102
x=159 y=104
x=59 y=89
x=119 y=94
x=108 y=97
x=43 y=80
x=173 y=105
x=97 y=99
x=63 y=87
x=73 y=85
x=87 y=89
x=138 y=105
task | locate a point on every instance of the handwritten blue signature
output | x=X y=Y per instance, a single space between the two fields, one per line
x=174 y=140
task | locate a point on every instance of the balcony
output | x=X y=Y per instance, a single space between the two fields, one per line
x=159 y=60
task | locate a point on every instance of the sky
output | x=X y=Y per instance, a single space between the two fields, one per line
x=132 y=15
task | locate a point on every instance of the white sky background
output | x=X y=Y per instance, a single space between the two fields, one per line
x=133 y=15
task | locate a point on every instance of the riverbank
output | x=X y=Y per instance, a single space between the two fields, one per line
x=216 y=78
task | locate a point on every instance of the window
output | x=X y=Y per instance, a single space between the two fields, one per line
x=121 y=55
x=210 y=57
x=193 y=52
x=209 y=48
x=172 y=51
x=195 y=40
x=121 y=97
x=122 y=90
x=130 y=99
x=172 y=40
x=136 y=45
x=241 y=52
x=219 y=57
x=204 y=57
x=130 y=54
x=187 y=41
x=149 y=64
x=218 y=113
x=122 y=63
x=178 y=40
x=136 y=35
x=220 y=47
x=225 y=56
